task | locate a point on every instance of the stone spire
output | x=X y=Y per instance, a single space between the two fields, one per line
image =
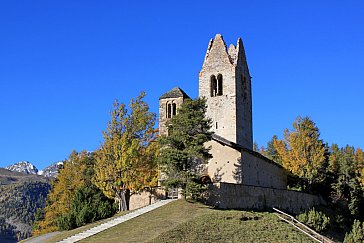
x=216 y=50
x=224 y=81
x=240 y=52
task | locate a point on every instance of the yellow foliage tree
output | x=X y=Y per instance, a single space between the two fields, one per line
x=126 y=161
x=71 y=177
x=302 y=152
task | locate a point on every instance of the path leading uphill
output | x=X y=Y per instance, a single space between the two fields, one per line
x=42 y=238
x=115 y=221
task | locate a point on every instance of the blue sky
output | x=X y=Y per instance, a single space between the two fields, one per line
x=62 y=63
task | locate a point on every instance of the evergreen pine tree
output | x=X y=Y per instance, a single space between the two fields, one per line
x=183 y=153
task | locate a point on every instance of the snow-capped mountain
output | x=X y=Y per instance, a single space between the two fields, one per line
x=52 y=170
x=24 y=167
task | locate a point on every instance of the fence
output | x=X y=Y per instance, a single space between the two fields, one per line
x=301 y=227
x=172 y=193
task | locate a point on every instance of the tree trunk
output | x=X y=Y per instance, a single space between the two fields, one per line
x=121 y=200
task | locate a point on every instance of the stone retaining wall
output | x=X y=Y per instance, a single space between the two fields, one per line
x=145 y=198
x=238 y=196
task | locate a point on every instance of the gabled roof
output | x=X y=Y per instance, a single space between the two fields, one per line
x=176 y=92
x=238 y=147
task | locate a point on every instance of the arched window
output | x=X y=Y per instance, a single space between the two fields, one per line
x=213 y=86
x=174 y=109
x=219 y=84
x=169 y=111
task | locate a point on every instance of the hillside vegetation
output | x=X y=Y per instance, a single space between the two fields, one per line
x=20 y=196
x=181 y=221
x=9 y=177
x=128 y=159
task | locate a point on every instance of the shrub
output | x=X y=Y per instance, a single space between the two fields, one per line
x=66 y=222
x=356 y=234
x=315 y=219
x=195 y=191
x=89 y=205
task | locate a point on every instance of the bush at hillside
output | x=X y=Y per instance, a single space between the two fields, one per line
x=315 y=219
x=89 y=205
x=356 y=234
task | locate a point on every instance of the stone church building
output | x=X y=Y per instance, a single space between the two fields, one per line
x=241 y=177
x=225 y=82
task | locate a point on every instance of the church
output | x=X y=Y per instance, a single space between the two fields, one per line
x=225 y=82
x=240 y=177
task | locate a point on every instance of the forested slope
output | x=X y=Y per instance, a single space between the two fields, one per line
x=20 y=196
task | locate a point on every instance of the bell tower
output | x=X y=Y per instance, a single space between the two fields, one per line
x=169 y=103
x=225 y=82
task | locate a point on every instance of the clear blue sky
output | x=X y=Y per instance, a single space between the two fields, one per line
x=62 y=63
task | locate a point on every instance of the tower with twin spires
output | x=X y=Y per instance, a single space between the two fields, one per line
x=225 y=82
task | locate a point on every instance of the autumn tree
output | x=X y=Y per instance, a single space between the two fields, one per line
x=73 y=175
x=126 y=160
x=302 y=151
x=183 y=152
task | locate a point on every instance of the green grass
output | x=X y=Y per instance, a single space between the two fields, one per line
x=152 y=224
x=65 y=234
x=181 y=221
x=233 y=226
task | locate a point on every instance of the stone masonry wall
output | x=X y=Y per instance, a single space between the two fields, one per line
x=230 y=112
x=243 y=99
x=145 y=198
x=258 y=171
x=163 y=120
x=224 y=164
x=238 y=196
x=234 y=164
x=221 y=109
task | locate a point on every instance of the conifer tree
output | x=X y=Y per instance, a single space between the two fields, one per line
x=359 y=157
x=271 y=151
x=183 y=152
x=344 y=163
x=126 y=161
x=334 y=159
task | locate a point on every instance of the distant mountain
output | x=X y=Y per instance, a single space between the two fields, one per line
x=23 y=189
x=52 y=170
x=11 y=177
x=28 y=168
x=24 y=167
x=20 y=196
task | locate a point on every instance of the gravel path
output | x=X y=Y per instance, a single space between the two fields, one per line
x=42 y=238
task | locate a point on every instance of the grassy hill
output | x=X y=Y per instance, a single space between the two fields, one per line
x=181 y=221
x=20 y=196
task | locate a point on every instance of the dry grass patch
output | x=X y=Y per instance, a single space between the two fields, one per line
x=181 y=221
x=233 y=226
x=151 y=225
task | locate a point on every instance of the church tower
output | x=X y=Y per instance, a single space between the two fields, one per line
x=225 y=82
x=169 y=103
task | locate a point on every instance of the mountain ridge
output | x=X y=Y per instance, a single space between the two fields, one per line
x=26 y=167
x=20 y=196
